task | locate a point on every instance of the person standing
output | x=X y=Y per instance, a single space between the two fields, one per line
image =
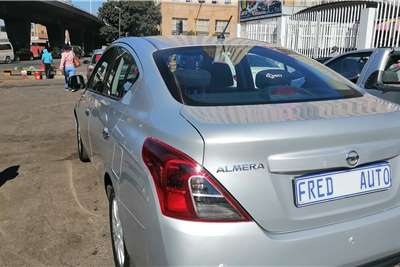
x=47 y=60
x=67 y=64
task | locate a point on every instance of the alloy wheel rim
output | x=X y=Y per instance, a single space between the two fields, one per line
x=117 y=233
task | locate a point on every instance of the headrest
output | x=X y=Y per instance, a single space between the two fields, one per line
x=267 y=78
x=193 y=78
x=221 y=75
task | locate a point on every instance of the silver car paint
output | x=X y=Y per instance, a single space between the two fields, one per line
x=291 y=139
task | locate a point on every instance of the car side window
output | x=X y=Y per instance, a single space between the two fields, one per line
x=98 y=79
x=391 y=73
x=350 y=66
x=122 y=76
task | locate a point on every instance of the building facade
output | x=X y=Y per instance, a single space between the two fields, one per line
x=199 y=17
x=266 y=20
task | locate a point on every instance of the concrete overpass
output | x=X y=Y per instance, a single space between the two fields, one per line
x=57 y=16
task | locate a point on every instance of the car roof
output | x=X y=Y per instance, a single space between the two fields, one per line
x=165 y=42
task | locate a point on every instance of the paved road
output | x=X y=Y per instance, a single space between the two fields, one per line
x=53 y=210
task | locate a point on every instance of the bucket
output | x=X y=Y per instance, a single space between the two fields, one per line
x=38 y=76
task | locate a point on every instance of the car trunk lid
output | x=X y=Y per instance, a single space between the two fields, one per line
x=256 y=152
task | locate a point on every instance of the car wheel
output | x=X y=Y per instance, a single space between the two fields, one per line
x=8 y=60
x=121 y=257
x=83 y=156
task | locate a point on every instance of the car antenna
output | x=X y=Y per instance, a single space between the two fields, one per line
x=221 y=36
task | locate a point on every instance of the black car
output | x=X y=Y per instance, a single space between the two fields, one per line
x=23 y=54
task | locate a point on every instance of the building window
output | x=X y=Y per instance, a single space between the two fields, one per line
x=202 y=1
x=202 y=26
x=175 y=21
x=188 y=1
x=214 y=1
x=228 y=2
x=220 y=26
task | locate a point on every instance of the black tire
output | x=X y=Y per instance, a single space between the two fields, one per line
x=111 y=198
x=8 y=60
x=83 y=155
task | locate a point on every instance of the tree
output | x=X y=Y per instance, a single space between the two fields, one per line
x=138 y=18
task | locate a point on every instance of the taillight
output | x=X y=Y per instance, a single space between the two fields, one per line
x=185 y=189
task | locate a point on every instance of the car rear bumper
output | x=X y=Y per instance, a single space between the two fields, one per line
x=346 y=244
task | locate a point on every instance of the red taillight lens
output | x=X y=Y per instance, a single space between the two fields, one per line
x=185 y=190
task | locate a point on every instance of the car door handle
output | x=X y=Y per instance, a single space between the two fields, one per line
x=87 y=112
x=106 y=133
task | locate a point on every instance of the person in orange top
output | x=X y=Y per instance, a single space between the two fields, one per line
x=67 y=64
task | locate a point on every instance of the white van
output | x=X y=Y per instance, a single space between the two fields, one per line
x=6 y=52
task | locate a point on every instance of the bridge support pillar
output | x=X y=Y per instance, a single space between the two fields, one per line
x=19 y=33
x=77 y=36
x=56 y=34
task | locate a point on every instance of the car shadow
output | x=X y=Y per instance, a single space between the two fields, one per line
x=8 y=174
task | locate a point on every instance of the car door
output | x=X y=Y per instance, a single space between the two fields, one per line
x=377 y=82
x=85 y=105
x=96 y=90
x=350 y=65
x=108 y=108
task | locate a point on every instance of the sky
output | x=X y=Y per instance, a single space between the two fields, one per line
x=85 y=5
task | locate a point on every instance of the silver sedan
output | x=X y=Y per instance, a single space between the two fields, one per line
x=233 y=152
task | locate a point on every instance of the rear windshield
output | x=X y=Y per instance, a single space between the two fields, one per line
x=5 y=47
x=245 y=75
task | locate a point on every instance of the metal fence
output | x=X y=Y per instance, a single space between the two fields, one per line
x=332 y=27
x=387 y=24
x=266 y=31
x=323 y=31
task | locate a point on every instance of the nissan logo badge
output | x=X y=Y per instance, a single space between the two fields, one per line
x=352 y=158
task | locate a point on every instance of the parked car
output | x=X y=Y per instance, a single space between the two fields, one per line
x=205 y=165
x=6 y=52
x=375 y=70
x=24 y=54
x=93 y=60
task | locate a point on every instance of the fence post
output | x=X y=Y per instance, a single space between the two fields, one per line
x=281 y=25
x=238 y=30
x=365 y=28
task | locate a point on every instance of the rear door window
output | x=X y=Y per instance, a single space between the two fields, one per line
x=122 y=75
x=246 y=75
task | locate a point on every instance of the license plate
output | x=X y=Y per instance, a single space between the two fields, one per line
x=313 y=189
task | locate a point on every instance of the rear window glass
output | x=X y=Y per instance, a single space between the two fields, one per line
x=5 y=47
x=246 y=75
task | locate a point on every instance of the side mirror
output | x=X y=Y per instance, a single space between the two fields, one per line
x=86 y=61
x=76 y=82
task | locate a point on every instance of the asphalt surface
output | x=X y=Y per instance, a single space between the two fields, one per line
x=53 y=209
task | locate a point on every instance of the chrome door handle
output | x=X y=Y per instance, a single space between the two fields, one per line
x=106 y=133
x=87 y=112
